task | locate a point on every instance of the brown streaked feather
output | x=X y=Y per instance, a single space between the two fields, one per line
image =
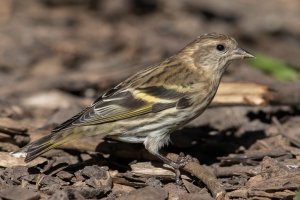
x=183 y=103
x=161 y=81
x=161 y=92
x=123 y=105
x=69 y=122
x=162 y=106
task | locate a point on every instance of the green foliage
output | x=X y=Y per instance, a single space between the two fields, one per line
x=297 y=197
x=276 y=68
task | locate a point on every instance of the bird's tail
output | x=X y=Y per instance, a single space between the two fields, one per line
x=44 y=144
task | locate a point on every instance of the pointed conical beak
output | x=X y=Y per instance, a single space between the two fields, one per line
x=241 y=53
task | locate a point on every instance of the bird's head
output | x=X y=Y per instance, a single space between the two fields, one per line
x=215 y=51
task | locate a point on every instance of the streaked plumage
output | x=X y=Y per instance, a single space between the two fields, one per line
x=151 y=104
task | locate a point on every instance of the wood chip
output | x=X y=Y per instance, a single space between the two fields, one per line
x=242 y=94
x=17 y=192
x=7 y=160
x=146 y=168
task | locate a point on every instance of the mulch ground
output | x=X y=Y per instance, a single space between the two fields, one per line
x=57 y=56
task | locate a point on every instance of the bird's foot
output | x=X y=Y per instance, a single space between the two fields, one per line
x=176 y=165
x=181 y=161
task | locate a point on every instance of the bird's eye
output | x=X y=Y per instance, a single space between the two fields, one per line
x=220 y=47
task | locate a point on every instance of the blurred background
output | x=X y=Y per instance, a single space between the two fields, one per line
x=84 y=46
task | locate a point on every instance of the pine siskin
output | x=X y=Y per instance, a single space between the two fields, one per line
x=150 y=105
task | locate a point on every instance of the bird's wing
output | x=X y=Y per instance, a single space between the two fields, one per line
x=119 y=104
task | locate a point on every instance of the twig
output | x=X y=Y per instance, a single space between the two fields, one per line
x=283 y=132
x=204 y=175
x=48 y=166
x=253 y=155
x=13 y=131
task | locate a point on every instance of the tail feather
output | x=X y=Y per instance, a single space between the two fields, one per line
x=37 y=148
x=44 y=144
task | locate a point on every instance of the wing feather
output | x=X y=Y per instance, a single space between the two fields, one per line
x=120 y=104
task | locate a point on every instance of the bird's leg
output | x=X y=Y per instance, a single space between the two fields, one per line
x=176 y=165
x=153 y=144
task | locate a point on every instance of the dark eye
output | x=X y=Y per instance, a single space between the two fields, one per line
x=220 y=47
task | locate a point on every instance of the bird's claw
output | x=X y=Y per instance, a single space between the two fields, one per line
x=181 y=161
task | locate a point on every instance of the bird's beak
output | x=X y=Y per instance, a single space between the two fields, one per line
x=240 y=53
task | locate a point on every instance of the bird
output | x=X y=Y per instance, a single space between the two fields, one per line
x=151 y=104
